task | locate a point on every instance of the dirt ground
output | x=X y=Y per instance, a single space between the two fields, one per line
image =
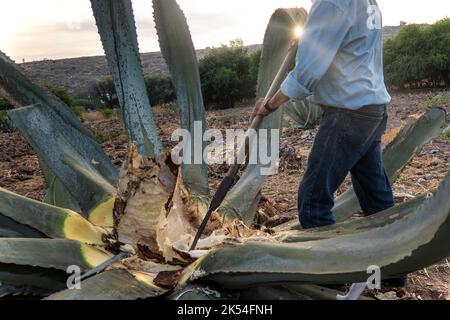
x=20 y=173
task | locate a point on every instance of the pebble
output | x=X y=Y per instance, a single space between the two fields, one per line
x=305 y=135
x=435 y=161
x=428 y=177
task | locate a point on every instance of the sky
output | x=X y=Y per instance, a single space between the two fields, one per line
x=52 y=29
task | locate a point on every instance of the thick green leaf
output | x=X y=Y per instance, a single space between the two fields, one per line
x=50 y=253
x=178 y=51
x=378 y=220
x=57 y=194
x=199 y=293
x=12 y=229
x=24 y=280
x=116 y=26
x=293 y=292
x=73 y=157
x=418 y=240
x=25 y=92
x=279 y=34
x=53 y=221
x=304 y=113
x=111 y=285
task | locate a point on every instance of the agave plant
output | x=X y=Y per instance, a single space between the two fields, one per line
x=152 y=208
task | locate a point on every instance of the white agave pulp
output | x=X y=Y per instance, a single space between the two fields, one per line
x=156 y=215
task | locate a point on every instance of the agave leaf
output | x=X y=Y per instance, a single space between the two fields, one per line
x=53 y=221
x=25 y=92
x=12 y=229
x=15 y=279
x=304 y=113
x=276 y=43
x=408 y=143
x=418 y=240
x=73 y=157
x=50 y=253
x=113 y=285
x=57 y=194
x=200 y=293
x=378 y=220
x=175 y=38
x=116 y=26
x=291 y=292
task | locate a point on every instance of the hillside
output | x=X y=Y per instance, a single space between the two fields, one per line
x=79 y=74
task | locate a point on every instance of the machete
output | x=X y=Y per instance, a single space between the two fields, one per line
x=227 y=182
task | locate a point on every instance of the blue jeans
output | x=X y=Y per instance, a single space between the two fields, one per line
x=347 y=141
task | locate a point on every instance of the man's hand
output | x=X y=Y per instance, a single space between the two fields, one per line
x=278 y=100
x=259 y=109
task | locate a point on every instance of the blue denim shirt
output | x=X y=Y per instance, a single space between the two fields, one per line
x=340 y=57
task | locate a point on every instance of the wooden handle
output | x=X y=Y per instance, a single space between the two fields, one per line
x=257 y=121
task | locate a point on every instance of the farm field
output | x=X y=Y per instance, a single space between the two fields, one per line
x=20 y=173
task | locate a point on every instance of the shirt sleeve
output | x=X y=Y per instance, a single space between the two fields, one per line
x=323 y=35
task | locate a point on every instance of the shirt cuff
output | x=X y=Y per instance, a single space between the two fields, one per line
x=294 y=89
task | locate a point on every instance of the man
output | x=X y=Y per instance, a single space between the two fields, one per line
x=340 y=65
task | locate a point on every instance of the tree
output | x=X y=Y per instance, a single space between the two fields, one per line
x=419 y=54
x=160 y=90
x=227 y=75
x=105 y=91
x=255 y=60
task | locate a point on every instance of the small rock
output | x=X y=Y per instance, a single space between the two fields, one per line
x=305 y=135
x=435 y=161
x=428 y=177
x=23 y=170
x=21 y=177
x=391 y=295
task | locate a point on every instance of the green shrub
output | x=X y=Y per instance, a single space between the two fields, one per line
x=446 y=134
x=5 y=123
x=5 y=105
x=78 y=110
x=255 y=60
x=419 y=56
x=88 y=103
x=228 y=75
x=104 y=92
x=67 y=98
x=434 y=101
x=109 y=113
x=160 y=90
x=62 y=94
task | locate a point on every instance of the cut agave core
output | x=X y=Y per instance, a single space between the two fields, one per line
x=156 y=215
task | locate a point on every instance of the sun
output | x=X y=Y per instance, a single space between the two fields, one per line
x=298 y=32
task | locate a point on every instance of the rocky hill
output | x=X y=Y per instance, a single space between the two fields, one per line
x=79 y=74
